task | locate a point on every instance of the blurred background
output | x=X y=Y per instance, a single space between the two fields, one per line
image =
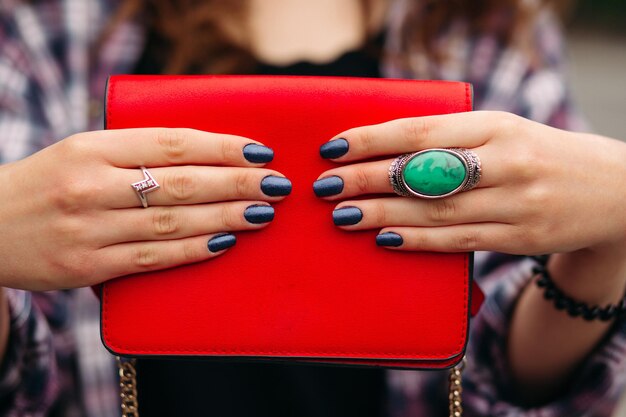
x=596 y=32
x=597 y=51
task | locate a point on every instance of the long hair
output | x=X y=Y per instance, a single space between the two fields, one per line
x=197 y=35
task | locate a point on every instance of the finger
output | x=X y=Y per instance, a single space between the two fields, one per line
x=136 y=257
x=466 y=130
x=480 y=205
x=373 y=177
x=196 y=185
x=352 y=180
x=157 y=147
x=175 y=222
x=458 y=238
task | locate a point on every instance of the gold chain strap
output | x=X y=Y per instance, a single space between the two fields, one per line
x=455 y=390
x=128 y=387
x=130 y=406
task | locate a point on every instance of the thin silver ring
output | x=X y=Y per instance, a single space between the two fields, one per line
x=147 y=185
x=471 y=161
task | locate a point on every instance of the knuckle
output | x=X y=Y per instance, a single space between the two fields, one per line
x=524 y=162
x=75 y=145
x=362 y=181
x=442 y=210
x=145 y=257
x=230 y=150
x=181 y=186
x=416 y=130
x=189 y=252
x=68 y=228
x=507 y=122
x=173 y=143
x=82 y=269
x=73 y=194
x=245 y=182
x=230 y=219
x=366 y=141
x=420 y=241
x=76 y=266
x=466 y=241
x=520 y=167
x=379 y=213
x=165 y=221
x=537 y=197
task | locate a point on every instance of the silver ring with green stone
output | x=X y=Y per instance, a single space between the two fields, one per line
x=435 y=173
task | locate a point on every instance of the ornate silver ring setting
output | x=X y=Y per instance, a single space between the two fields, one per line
x=147 y=185
x=435 y=173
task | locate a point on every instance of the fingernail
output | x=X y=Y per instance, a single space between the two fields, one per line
x=334 y=149
x=259 y=213
x=221 y=242
x=274 y=186
x=389 y=239
x=347 y=216
x=258 y=153
x=328 y=186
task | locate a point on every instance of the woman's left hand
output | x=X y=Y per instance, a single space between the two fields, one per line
x=543 y=190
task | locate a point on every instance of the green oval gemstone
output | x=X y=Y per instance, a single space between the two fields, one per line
x=434 y=173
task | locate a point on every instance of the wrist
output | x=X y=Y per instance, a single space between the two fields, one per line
x=590 y=276
x=612 y=231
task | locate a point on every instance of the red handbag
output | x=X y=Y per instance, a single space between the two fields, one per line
x=301 y=289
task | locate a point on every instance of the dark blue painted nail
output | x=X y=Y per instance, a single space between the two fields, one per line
x=259 y=214
x=257 y=153
x=334 y=149
x=389 y=239
x=328 y=186
x=347 y=216
x=274 y=186
x=221 y=242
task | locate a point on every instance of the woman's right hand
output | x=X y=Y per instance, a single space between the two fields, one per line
x=69 y=217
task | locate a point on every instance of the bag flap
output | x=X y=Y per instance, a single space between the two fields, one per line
x=300 y=288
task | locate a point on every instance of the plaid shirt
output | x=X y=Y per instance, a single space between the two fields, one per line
x=51 y=87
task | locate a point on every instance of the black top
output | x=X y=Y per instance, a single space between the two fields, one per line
x=236 y=389
x=363 y=62
x=232 y=389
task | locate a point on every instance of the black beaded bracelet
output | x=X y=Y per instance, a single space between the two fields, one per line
x=573 y=307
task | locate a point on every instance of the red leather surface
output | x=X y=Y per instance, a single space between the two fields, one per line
x=301 y=288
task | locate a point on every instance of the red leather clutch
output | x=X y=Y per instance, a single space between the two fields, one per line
x=301 y=289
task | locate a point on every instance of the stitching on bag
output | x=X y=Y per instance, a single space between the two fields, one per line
x=109 y=101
